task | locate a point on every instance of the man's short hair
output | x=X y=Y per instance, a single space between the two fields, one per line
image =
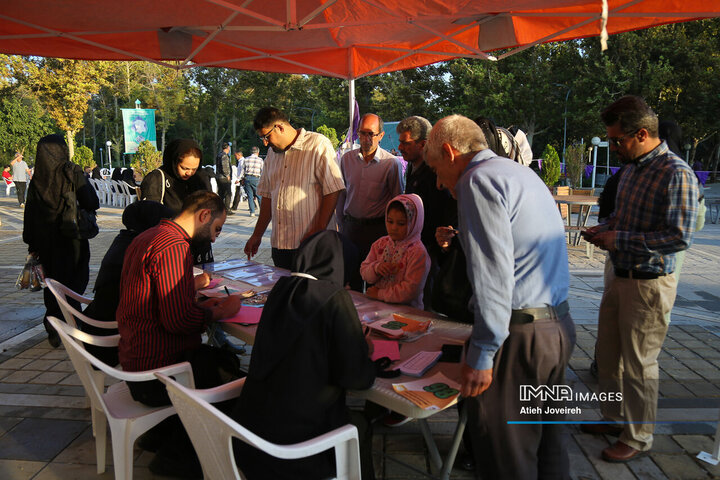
x=381 y=124
x=204 y=200
x=225 y=145
x=631 y=113
x=238 y=153
x=418 y=127
x=460 y=132
x=267 y=116
x=254 y=150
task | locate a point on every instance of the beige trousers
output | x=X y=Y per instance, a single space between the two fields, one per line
x=631 y=331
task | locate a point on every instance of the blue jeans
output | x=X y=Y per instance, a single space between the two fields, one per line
x=251 y=184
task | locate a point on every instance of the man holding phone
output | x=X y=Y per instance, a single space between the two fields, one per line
x=655 y=214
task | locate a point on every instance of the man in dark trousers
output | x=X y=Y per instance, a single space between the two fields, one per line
x=523 y=335
x=223 y=174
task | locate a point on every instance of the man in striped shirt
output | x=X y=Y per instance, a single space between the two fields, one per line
x=159 y=320
x=252 y=169
x=299 y=186
x=655 y=214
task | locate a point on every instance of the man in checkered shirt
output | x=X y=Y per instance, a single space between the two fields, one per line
x=655 y=215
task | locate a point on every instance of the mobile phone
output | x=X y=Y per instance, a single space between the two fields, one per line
x=451 y=353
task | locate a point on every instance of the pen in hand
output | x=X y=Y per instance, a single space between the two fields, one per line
x=227 y=291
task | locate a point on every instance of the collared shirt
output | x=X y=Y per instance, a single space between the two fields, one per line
x=296 y=181
x=514 y=241
x=370 y=185
x=656 y=210
x=253 y=166
x=157 y=316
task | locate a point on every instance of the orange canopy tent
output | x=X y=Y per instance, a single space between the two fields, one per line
x=337 y=38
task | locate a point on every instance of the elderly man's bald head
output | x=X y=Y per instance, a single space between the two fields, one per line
x=450 y=146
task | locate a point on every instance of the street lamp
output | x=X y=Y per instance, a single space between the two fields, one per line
x=687 y=153
x=312 y=117
x=567 y=95
x=109 y=143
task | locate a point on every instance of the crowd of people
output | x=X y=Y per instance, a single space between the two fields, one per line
x=467 y=211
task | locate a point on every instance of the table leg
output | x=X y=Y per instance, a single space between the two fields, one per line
x=457 y=438
x=430 y=442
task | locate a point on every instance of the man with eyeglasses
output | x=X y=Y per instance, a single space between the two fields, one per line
x=440 y=207
x=372 y=179
x=655 y=215
x=299 y=185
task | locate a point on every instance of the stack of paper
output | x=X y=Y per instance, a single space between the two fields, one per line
x=434 y=393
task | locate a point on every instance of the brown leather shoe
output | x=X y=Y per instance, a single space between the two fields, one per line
x=621 y=453
x=601 y=428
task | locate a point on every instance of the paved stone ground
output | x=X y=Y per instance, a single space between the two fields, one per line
x=45 y=428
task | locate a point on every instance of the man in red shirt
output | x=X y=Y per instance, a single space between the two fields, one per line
x=159 y=320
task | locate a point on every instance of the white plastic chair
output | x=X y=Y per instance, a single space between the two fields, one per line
x=211 y=432
x=128 y=419
x=130 y=197
x=8 y=186
x=99 y=191
x=70 y=313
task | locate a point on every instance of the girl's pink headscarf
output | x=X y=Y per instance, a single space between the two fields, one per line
x=415 y=213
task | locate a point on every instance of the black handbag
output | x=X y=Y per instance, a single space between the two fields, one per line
x=75 y=221
x=452 y=290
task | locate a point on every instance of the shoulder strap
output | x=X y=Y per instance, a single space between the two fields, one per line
x=162 y=195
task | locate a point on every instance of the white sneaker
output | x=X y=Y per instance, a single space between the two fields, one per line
x=252 y=215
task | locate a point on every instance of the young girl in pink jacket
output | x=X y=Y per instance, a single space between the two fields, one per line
x=398 y=263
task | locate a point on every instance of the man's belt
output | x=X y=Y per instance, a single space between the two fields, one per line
x=529 y=315
x=364 y=221
x=623 y=273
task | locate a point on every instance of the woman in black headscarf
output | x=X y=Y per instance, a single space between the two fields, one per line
x=116 y=174
x=176 y=179
x=309 y=349
x=64 y=259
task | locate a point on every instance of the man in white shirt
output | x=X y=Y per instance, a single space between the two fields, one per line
x=21 y=175
x=299 y=186
x=237 y=178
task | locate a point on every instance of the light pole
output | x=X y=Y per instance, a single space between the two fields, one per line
x=108 y=143
x=101 y=157
x=312 y=117
x=567 y=95
x=687 y=153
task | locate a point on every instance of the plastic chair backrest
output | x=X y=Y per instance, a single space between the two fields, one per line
x=70 y=313
x=211 y=432
x=128 y=419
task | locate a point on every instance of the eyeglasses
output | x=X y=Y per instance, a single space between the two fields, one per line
x=618 y=140
x=369 y=134
x=266 y=137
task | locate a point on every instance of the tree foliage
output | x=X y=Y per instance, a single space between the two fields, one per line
x=146 y=159
x=65 y=87
x=550 y=167
x=574 y=164
x=83 y=157
x=331 y=134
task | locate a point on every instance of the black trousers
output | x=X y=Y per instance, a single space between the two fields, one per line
x=533 y=354
x=284 y=258
x=20 y=190
x=224 y=191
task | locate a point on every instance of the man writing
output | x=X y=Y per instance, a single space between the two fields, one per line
x=159 y=320
x=514 y=241
x=372 y=179
x=299 y=186
x=655 y=214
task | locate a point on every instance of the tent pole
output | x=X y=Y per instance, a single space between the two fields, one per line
x=351 y=108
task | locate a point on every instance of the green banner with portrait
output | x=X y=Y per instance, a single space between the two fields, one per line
x=139 y=125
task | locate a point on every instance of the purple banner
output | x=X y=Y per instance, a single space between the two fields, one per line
x=588 y=170
x=702 y=176
x=613 y=170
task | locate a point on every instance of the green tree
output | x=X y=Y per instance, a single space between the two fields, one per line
x=330 y=133
x=574 y=164
x=22 y=124
x=550 y=167
x=65 y=87
x=146 y=159
x=83 y=156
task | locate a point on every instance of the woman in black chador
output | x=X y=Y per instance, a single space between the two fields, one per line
x=308 y=351
x=64 y=259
